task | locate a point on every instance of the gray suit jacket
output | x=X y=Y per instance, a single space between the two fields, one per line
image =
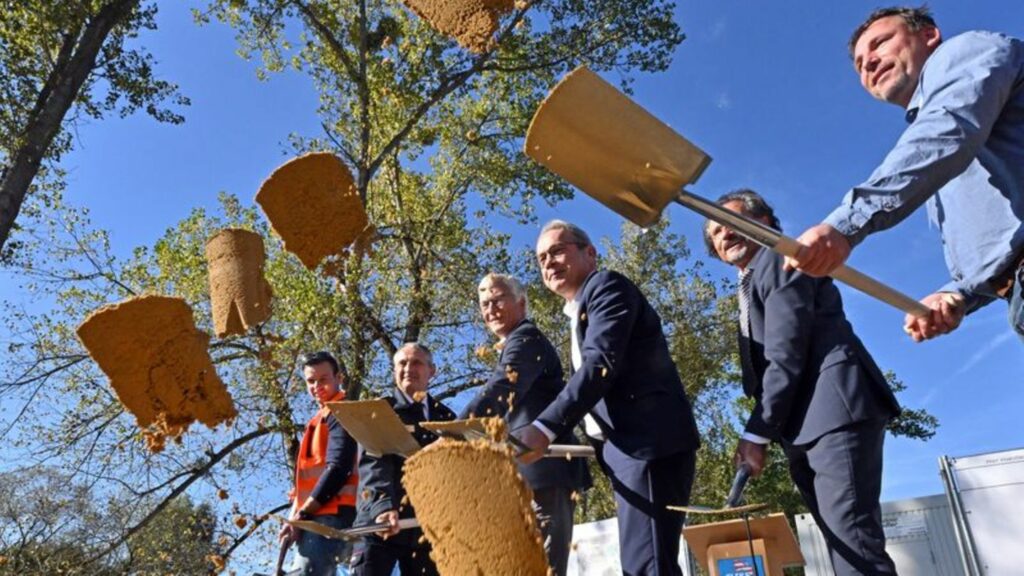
x=811 y=374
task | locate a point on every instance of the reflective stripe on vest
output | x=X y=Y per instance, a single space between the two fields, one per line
x=310 y=464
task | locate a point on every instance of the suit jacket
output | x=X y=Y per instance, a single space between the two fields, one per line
x=529 y=370
x=380 y=478
x=627 y=380
x=811 y=374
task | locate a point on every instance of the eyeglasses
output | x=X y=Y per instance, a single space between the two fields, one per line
x=556 y=250
x=499 y=302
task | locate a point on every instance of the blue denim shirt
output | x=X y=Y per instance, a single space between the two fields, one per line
x=963 y=153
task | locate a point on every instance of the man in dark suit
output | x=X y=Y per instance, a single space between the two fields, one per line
x=381 y=494
x=625 y=378
x=818 y=392
x=527 y=378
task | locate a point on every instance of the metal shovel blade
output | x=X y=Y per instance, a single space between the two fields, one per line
x=734 y=510
x=594 y=136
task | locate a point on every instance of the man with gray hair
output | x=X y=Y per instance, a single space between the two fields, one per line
x=624 y=376
x=382 y=497
x=527 y=378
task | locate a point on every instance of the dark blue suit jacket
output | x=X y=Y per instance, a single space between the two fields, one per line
x=530 y=370
x=380 y=478
x=627 y=379
x=811 y=374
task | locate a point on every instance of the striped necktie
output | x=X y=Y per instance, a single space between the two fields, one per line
x=745 y=279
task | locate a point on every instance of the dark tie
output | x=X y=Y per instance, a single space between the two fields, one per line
x=744 y=304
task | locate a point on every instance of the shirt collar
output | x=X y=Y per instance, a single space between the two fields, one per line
x=401 y=393
x=571 y=308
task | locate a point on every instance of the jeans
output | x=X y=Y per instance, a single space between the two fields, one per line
x=1017 y=304
x=316 y=555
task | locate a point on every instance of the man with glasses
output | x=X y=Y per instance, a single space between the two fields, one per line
x=325 y=473
x=527 y=378
x=624 y=377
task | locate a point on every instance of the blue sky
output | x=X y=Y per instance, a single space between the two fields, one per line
x=765 y=88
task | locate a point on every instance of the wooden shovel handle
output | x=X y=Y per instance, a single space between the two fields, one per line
x=860 y=281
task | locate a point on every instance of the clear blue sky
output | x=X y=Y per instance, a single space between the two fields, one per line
x=765 y=88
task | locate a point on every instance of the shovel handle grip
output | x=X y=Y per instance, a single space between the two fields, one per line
x=569 y=451
x=738 y=484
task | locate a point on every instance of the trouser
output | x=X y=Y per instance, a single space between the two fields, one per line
x=649 y=534
x=839 y=476
x=409 y=549
x=554 y=507
x=317 y=555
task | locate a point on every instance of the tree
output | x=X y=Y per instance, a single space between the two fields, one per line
x=58 y=58
x=54 y=525
x=433 y=136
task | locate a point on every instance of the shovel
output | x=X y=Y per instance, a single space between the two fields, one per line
x=733 y=503
x=619 y=154
x=349 y=533
x=472 y=429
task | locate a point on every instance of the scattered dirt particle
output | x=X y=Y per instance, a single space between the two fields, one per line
x=444 y=479
x=472 y=23
x=217 y=561
x=313 y=188
x=158 y=365
x=239 y=294
x=222 y=494
x=240 y=521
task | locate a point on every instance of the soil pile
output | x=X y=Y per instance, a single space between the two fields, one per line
x=312 y=203
x=472 y=23
x=239 y=294
x=474 y=509
x=158 y=364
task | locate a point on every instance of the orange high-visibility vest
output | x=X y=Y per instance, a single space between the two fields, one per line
x=310 y=465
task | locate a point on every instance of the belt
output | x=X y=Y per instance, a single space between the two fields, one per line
x=1002 y=284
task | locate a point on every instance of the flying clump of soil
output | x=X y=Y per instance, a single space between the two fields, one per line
x=472 y=23
x=315 y=188
x=158 y=364
x=239 y=293
x=475 y=509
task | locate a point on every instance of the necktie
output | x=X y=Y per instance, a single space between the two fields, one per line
x=744 y=305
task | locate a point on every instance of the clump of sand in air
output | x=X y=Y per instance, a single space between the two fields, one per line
x=472 y=23
x=239 y=294
x=475 y=509
x=158 y=364
x=312 y=203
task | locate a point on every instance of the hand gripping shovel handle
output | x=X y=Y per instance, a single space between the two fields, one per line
x=738 y=484
x=772 y=239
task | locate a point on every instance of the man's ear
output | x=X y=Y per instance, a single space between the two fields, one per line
x=932 y=37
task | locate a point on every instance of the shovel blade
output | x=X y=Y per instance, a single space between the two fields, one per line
x=594 y=136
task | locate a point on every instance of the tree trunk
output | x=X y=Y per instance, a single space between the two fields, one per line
x=76 y=61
